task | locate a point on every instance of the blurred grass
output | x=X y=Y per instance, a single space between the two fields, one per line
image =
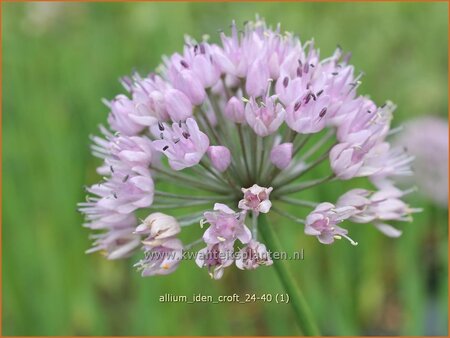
x=59 y=60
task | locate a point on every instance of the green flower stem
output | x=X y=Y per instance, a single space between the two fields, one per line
x=244 y=152
x=302 y=312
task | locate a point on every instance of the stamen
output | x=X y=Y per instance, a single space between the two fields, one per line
x=306 y=68
x=192 y=244
x=308 y=98
x=184 y=64
x=413 y=210
x=395 y=131
x=269 y=85
x=410 y=190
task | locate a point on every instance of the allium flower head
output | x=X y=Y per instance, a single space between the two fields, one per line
x=281 y=155
x=222 y=133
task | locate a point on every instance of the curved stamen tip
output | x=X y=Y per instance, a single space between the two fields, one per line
x=414 y=210
x=352 y=242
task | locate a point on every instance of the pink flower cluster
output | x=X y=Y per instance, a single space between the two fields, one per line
x=359 y=206
x=127 y=186
x=223 y=117
x=227 y=226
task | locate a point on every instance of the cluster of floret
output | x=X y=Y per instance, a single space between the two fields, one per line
x=233 y=119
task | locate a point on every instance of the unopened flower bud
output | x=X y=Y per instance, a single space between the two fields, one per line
x=234 y=110
x=220 y=157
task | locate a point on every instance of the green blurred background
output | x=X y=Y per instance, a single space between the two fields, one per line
x=59 y=60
